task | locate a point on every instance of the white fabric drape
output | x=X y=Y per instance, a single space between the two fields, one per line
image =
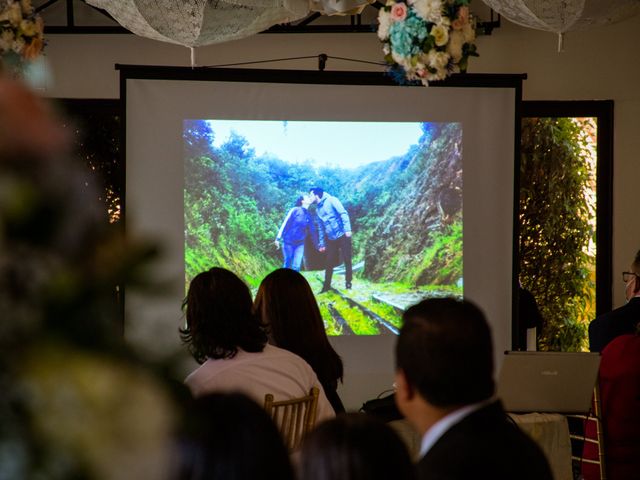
x=194 y=23
x=561 y=16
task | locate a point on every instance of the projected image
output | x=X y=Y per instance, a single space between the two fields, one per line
x=369 y=212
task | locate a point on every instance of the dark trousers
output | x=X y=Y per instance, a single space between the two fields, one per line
x=335 y=248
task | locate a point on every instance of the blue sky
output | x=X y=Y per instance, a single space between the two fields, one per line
x=345 y=144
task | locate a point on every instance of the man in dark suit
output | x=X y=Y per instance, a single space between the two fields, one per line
x=445 y=389
x=621 y=320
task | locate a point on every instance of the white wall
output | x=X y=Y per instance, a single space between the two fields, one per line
x=596 y=65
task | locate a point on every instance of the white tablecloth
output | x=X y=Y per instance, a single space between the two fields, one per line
x=551 y=432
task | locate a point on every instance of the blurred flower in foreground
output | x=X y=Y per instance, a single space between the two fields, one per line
x=75 y=402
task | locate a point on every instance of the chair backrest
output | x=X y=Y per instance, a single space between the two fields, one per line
x=587 y=441
x=294 y=418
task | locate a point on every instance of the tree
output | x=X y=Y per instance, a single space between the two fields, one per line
x=197 y=136
x=555 y=226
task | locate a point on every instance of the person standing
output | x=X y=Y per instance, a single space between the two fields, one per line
x=295 y=228
x=335 y=235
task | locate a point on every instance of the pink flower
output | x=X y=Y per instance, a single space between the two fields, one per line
x=457 y=24
x=399 y=11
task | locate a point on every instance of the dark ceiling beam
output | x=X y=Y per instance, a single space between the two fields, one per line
x=45 y=5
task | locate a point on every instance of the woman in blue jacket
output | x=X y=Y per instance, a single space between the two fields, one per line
x=297 y=225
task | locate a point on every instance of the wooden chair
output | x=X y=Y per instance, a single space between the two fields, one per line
x=294 y=418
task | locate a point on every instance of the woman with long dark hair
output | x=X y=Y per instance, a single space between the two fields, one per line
x=288 y=309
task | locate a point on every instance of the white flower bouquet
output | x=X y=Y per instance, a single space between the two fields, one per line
x=21 y=31
x=427 y=40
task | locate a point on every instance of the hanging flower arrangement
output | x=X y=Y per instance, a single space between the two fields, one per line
x=427 y=40
x=21 y=32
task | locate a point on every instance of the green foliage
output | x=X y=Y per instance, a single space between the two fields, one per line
x=385 y=311
x=360 y=323
x=443 y=256
x=556 y=226
x=418 y=203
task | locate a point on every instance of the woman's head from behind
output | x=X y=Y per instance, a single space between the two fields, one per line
x=354 y=447
x=230 y=437
x=219 y=317
x=288 y=308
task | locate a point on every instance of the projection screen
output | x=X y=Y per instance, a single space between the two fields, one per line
x=220 y=165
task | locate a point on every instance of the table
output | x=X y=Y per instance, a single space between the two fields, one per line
x=551 y=432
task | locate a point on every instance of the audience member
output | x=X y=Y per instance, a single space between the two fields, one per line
x=619 y=379
x=230 y=343
x=289 y=310
x=445 y=388
x=529 y=318
x=230 y=437
x=621 y=320
x=354 y=447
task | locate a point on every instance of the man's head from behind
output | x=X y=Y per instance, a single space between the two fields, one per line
x=444 y=355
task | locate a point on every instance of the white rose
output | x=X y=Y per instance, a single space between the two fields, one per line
x=7 y=36
x=400 y=60
x=440 y=34
x=18 y=46
x=456 y=41
x=440 y=74
x=469 y=32
x=14 y=14
x=437 y=60
x=430 y=10
x=26 y=6
x=384 y=23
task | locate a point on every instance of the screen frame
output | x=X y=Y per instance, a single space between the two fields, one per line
x=241 y=75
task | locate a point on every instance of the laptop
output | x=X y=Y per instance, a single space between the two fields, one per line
x=551 y=382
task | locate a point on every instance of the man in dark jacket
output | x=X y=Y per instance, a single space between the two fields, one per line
x=621 y=320
x=445 y=389
x=335 y=234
